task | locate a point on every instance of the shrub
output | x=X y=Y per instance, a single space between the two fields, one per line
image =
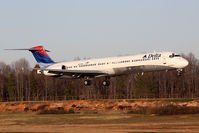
x=71 y=111
x=166 y=110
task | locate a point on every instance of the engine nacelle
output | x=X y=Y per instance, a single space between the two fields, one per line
x=45 y=73
x=40 y=72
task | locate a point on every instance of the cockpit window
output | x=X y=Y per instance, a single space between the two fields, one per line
x=174 y=55
x=177 y=55
x=171 y=56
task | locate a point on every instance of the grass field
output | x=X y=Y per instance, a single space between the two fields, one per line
x=91 y=122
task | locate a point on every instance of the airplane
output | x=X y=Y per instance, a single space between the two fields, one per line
x=107 y=67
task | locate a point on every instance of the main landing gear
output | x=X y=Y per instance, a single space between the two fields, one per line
x=87 y=82
x=105 y=82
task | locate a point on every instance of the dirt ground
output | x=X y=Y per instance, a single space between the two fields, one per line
x=109 y=122
x=96 y=116
x=94 y=105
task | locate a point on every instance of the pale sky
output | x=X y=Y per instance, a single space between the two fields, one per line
x=93 y=29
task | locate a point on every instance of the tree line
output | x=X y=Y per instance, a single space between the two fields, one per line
x=18 y=82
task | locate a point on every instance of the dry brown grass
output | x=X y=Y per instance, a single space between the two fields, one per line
x=109 y=122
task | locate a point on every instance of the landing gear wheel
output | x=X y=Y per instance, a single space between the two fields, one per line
x=106 y=83
x=87 y=82
x=179 y=72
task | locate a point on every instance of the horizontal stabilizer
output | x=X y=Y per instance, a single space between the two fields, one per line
x=29 y=49
x=39 y=53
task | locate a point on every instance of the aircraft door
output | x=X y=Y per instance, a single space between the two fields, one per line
x=63 y=67
x=164 y=60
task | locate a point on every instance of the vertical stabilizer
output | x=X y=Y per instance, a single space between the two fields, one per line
x=40 y=55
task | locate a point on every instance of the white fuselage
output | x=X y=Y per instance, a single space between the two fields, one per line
x=125 y=64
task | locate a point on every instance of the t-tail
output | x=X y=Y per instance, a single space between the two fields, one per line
x=40 y=54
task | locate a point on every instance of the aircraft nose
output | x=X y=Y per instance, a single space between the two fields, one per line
x=185 y=63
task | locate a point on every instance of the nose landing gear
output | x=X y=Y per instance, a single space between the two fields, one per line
x=179 y=72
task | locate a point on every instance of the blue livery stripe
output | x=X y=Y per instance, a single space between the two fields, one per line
x=42 y=58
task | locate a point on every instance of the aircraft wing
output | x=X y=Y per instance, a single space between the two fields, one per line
x=74 y=73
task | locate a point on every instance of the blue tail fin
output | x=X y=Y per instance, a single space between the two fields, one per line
x=40 y=55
